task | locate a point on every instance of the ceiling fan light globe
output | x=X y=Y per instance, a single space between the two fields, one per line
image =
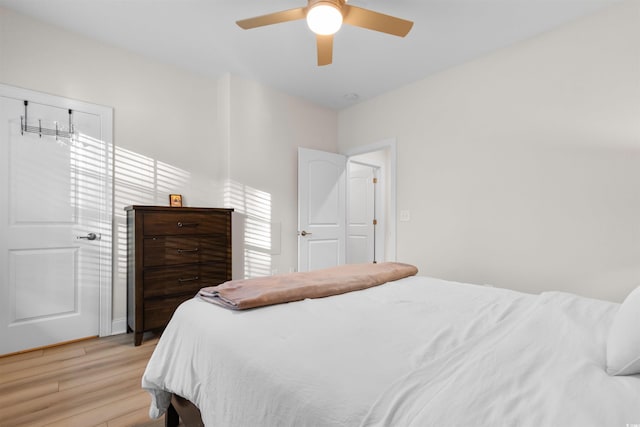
x=324 y=19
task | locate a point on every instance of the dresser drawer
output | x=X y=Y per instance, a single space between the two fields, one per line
x=184 y=279
x=174 y=250
x=183 y=223
x=158 y=312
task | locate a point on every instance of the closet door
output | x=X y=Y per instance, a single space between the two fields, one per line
x=54 y=225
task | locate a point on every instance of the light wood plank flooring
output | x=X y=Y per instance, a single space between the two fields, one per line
x=94 y=382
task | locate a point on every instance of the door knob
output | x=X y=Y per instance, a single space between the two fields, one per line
x=304 y=233
x=90 y=236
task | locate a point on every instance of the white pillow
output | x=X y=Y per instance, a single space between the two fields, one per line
x=623 y=342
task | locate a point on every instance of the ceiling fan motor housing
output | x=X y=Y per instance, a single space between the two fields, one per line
x=333 y=3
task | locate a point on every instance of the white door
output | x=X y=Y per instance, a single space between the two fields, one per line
x=321 y=209
x=361 y=225
x=55 y=238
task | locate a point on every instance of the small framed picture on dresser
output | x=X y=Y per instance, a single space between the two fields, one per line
x=175 y=200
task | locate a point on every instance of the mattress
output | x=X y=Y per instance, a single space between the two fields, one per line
x=416 y=352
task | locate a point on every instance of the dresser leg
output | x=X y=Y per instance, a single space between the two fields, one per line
x=137 y=338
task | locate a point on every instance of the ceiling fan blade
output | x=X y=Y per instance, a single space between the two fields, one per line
x=376 y=21
x=272 y=18
x=325 y=49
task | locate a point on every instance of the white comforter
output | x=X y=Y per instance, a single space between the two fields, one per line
x=417 y=352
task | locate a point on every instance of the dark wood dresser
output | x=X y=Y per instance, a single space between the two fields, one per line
x=172 y=253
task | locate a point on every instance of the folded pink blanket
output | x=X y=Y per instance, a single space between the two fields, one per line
x=261 y=291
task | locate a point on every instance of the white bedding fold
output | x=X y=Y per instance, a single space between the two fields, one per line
x=543 y=369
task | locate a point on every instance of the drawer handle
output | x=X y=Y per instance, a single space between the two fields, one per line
x=182 y=251
x=190 y=279
x=187 y=224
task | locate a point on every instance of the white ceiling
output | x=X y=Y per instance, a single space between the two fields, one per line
x=201 y=35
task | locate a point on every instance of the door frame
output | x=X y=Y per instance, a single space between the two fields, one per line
x=391 y=195
x=106 y=130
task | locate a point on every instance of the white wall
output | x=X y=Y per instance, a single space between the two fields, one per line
x=266 y=129
x=165 y=119
x=522 y=168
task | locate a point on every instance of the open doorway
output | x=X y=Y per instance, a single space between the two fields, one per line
x=323 y=200
x=371 y=203
x=364 y=234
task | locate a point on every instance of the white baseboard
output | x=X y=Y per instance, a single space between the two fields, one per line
x=119 y=326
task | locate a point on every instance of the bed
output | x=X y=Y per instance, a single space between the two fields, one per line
x=418 y=351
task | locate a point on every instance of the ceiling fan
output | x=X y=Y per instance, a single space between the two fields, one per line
x=325 y=18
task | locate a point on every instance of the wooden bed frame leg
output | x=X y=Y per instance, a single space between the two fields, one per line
x=171 y=418
x=182 y=409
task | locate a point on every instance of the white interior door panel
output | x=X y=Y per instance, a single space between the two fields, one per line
x=321 y=209
x=54 y=192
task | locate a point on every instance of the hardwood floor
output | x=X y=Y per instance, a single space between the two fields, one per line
x=89 y=383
